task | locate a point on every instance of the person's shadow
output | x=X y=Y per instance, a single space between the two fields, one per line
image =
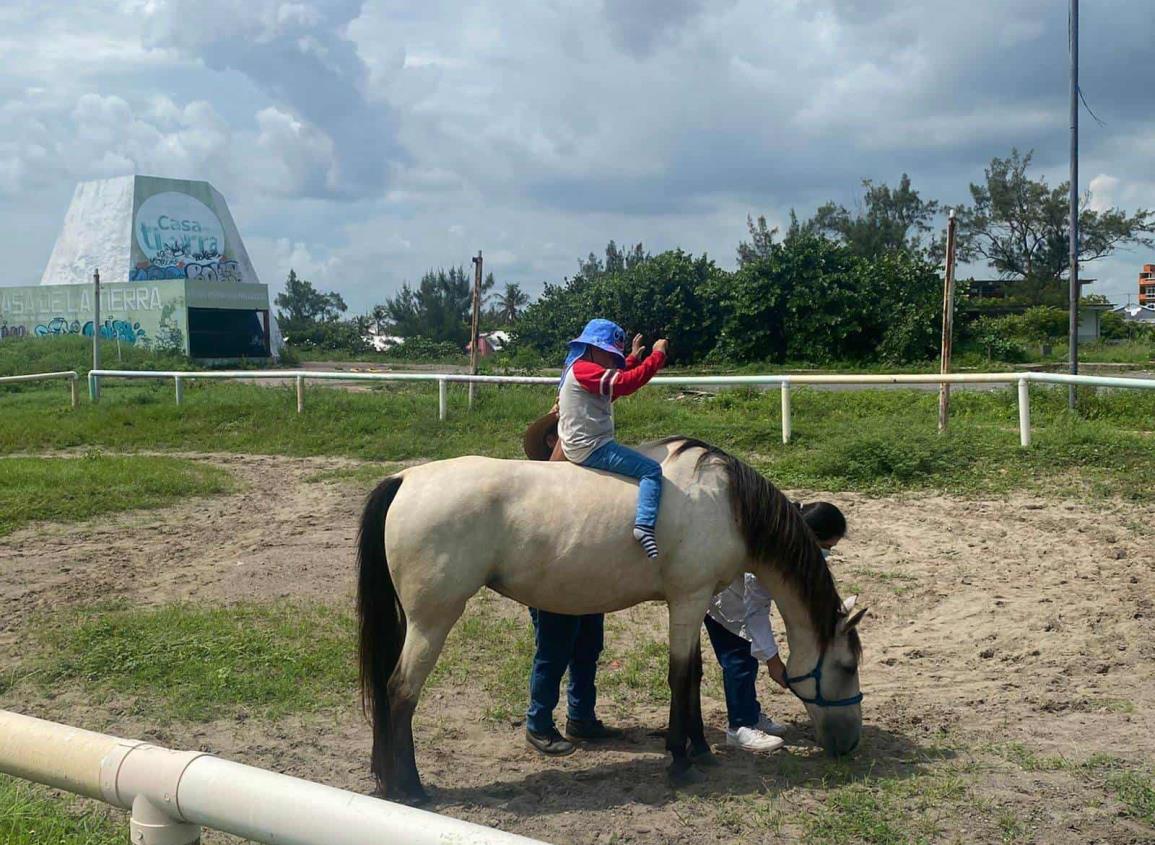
x=881 y=754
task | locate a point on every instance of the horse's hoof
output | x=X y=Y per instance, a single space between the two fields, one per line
x=704 y=758
x=418 y=798
x=681 y=773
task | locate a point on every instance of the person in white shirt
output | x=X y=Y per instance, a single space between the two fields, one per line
x=738 y=624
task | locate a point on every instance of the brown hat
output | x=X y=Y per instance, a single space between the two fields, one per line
x=534 y=441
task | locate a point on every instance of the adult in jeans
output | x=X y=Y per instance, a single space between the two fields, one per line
x=564 y=642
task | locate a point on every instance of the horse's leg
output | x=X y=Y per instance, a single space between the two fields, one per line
x=685 y=629
x=424 y=638
x=700 y=751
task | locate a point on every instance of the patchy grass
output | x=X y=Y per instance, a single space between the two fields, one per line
x=493 y=651
x=195 y=663
x=878 y=441
x=70 y=489
x=32 y=815
x=1137 y=792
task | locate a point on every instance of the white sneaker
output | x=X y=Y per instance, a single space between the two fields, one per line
x=753 y=739
x=769 y=726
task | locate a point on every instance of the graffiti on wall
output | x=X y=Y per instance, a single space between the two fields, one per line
x=122 y=330
x=12 y=331
x=181 y=238
x=222 y=270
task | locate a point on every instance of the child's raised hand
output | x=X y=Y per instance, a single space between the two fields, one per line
x=660 y=345
x=638 y=346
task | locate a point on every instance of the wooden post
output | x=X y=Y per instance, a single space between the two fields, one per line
x=473 y=352
x=947 y=323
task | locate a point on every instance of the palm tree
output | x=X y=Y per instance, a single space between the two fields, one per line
x=378 y=315
x=510 y=303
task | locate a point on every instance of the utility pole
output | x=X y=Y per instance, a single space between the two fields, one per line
x=1073 y=342
x=93 y=381
x=947 y=323
x=473 y=352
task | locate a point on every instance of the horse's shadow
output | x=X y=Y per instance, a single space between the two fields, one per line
x=643 y=780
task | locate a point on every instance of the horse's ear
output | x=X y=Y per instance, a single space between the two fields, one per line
x=848 y=604
x=854 y=620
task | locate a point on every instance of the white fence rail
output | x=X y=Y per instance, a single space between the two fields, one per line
x=783 y=382
x=172 y=794
x=71 y=375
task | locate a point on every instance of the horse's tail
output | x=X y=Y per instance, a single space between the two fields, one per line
x=382 y=619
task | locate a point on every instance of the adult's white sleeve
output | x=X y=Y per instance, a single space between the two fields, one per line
x=763 y=646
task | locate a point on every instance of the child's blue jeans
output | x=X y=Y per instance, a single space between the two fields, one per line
x=613 y=457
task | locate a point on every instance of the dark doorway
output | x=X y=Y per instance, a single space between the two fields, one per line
x=228 y=333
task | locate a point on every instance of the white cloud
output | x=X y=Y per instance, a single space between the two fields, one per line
x=365 y=141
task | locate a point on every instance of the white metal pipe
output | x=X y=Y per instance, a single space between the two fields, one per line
x=72 y=390
x=68 y=374
x=787 y=425
x=1094 y=381
x=300 y=393
x=270 y=807
x=1024 y=413
x=673 y=381
x=185 y=789
x=179 y=389
x=442 y=399
x=56 y=755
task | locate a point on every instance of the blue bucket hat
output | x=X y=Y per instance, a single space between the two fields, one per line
x=605 y=335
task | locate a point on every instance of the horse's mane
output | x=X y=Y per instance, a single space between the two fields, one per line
x=776 y=534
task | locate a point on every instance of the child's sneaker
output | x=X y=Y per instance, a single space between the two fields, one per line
x=753 y=739
x=645 y=535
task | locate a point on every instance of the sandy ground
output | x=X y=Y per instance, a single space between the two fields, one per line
x=994 y=622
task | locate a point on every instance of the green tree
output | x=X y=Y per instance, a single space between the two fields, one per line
x=617 y=260
x=440 y=308
x=812 y=299
x=761 y=243
x=889 y=220
x=673 y=294
x=302 y=305
x=510 y=303
x=1019 y=225
x=379 y=314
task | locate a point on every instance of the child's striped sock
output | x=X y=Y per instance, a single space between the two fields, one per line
x=644 y=534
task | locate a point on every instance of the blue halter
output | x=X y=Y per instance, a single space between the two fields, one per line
x=819 y=700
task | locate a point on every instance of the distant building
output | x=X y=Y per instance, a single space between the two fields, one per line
x=1136 y=313
x=1147 y=285
x=174 y=273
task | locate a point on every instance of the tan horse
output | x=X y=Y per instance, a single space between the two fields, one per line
x=557 y=537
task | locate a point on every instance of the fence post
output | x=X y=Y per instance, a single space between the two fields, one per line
x=1024 y=413
x=179 y=389
x=442 y=399
x=787 y=427
x=72 y=389
x=150 y=825
x=300 y=394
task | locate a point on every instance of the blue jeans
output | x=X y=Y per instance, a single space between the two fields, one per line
x=739 y=671
x=613 y=457
x=573 y=642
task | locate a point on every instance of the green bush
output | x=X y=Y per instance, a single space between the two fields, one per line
x=672 y=295
x=424 y=349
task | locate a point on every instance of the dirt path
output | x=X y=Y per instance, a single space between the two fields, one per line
x=997 y=630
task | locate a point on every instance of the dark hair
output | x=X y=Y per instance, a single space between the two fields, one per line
x=825 y=520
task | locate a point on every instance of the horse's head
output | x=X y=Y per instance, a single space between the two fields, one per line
x=828 y=685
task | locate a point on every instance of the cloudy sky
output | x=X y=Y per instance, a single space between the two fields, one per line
x=363 y=141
